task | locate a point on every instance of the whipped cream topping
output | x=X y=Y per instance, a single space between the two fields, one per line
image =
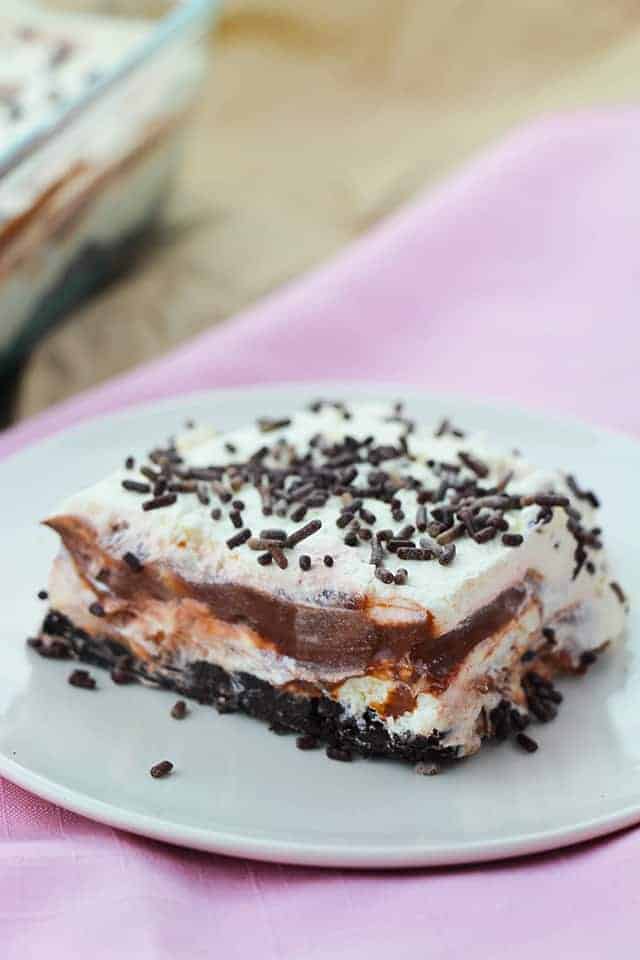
x=184 y=538
x=50 y=59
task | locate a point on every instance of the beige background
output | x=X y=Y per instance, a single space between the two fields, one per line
x=318 y=118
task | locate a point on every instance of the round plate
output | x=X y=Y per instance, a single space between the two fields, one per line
x=239 y=789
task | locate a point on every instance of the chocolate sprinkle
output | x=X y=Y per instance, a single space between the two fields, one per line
x=421 y=519
x=401 y=577
x=82 y=679
x=265 y=559
x=519 y=721
x=136 y=487
x=406 y=533
x=203 y=496
x=383 y=574
x=414 y=553
x=207 y=475
x=527 y=743
x=542 y=711
x=338 y=753
x=395 y=544
x=52 y=649
x=376 y=552
x=262 y=543
x=485 y=534
x=179 y=710
x=121 y=674
x=305 y=562
x=162 y=769
x=239 y=538
x=130 y=463
x=328 y=560
x=274 y=534
x=473 y=463
x=587 y=495
x=189 y=486
x=166 y=500
x=279 y=557
x=500 y=720
x=43 y=595
x=236 y=519
x=298 y=535
x=512 y=539
x=447 y=427
x=453 y=533
x=619 y=592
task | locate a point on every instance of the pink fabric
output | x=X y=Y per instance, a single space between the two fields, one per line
x=518 y=279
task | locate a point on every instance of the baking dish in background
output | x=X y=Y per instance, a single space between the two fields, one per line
x=94 y=96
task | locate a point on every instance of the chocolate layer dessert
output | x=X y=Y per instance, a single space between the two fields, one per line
x=87 y=161
x=344 y=573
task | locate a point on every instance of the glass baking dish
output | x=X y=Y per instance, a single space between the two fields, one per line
x=94 y=98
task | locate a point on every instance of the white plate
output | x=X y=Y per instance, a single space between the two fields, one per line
x=240 y=790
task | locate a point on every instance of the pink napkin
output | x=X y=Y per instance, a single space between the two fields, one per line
x=518 y=279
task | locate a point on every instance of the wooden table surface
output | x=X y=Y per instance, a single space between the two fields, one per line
x=317 y=119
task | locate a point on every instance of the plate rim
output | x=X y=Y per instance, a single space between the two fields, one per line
x=481 y=401
x=326 y=854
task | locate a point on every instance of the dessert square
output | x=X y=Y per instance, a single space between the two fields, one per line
x=384 y=587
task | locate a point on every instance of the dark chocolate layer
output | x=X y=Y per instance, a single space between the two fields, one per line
x=442 y=654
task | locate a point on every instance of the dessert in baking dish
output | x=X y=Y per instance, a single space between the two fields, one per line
x=90 y=140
